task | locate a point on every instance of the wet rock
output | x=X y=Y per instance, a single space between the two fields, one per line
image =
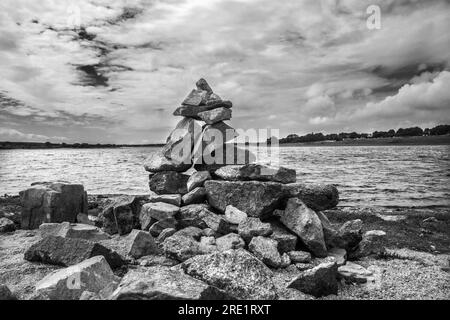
x=255 y=198
x=198 y=195
x=197 y=179
x=237 y=272
x=157 y=162
x=6 y=294
x=52 y=202
x=121 y=215
x=286 y=240
x=67 y=251
x=181 y=247
x=229 y=241
x=161 y=225
x=168 y=182
x=253 y=227
x=256 y=172
x=339 y=254
x=304 y=222
x=265 y=249
x=165 y=234
x=174 y=199
x=300 y=256
x=163 y=283
x=6 y=225
x=191 y=215
x=354 y=273
x=318 y=281
x=215 y=115
x=91 y=275
x=234 y=215
x=73 y=230
x=372 y=243
x=156 y=211
x=141 y=243
x=316 y=196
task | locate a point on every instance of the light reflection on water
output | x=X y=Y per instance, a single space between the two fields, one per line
x=391 y=176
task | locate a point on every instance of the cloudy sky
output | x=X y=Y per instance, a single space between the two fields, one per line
x=114 y=71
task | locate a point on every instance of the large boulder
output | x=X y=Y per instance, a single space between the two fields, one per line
x=157 y=162
x=52 y=202
x=258 y=172
x=168 y=182
x=67 y=251
x=253 y=227
x=265 y=249
x=304 y=222
x=121 y=215
x=163 y=283
x=316 y=196
x=257 y=199
x=93 y=275
x=318 y=281
x=73 y=230
x=237 y=272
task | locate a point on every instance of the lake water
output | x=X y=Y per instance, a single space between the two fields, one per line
x=386 y=176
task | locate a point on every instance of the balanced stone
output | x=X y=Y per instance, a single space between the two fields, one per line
x=202 y=84
x=198 y=195
x=196 y=98
x=215 y=115
x=168 y=182
x=174 y=199
x=256 y=172
x=73 y=230
x=197 y=179
x=157 y=162
x=191 y=111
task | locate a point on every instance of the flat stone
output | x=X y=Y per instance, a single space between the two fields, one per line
x=352 y=272
x=257 y=172
x=121 y=215
x=181 y=247
x=265 y=249
x=193 y=111
x=318 y=197
x=73 y=230
x=159 y=226
x=92 y=275
x=174 y=199
x=253 y=227
x=286 y=240
x=237 y=272
x=300 y=256
x=157 y=162
x=158 y=211
x=141 y=243
x=169 y=182
x=215 y=115
x=6 y=225
x=304 y=222
x=234 y=215
x=318 y=281
x=157 y=260
x=198 y=195
x=229 y=241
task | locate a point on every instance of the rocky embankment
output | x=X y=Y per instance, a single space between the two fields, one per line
x=207 y=230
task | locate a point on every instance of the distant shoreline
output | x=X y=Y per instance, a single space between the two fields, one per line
x=6 y=145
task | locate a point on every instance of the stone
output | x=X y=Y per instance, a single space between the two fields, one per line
x=253 y=227
x=300 y=256
x=190 y=111
x=316 y=196
x=330 y=234
x=198 y=195
x=304 y=222
x=349 y=234
x=6 y=294
x=285 y=260
x=237 y=272
x=192 y=232
x=208 y=232
x=286 y=240
x=213 y=99
x=67 y=251
x=339 y=254
x=161 y=225
x=216 y=102
x=215 y=115
x=197 y=179
x=216 y=222
x=157 y=162
x=169 y=182
x=91 y=275
x=229 y=241
x=191 y=215
x=73 y=230
x=257 y=199
x=6 y=225
x=201 y=84
x=196 y=98
x=121 y=215
x=52 y=202
x=265 y=249
x=141 y=243
x=372 y=243
x=302 y=266
x=84 y=219
x=234 y=215
x=163 y=283
x=208 y=244
x=318 y=281
x=174 y=199
x=257 y=172
x=354 y=273
x=157 y=260
x=163 y=235
x=158 y=211
x=181 y=247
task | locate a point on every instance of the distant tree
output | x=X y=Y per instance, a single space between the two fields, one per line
x=409 y=132
x=391 y=133
x=440 y=130
x=426 y=132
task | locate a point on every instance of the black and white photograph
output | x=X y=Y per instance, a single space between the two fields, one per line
x=244 y=153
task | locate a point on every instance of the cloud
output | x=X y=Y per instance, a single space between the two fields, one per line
x=15 y=135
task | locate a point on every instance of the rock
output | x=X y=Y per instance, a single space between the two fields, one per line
x=67 y=251
x=253 y=227
x=304 y=222
x=234 y=215
x=121 y=215
x=91 y=275
x=215 y=156
x=161 y=225
x=213 y=99
x=6 y=294
x=181 y=247
x=73 y=230
x=169 y=182
x=208 y=232
x=215 y=115
x=84 y=219
x=198 y=195
x=216 y=102
x=339 y=254
x=257 y=199
x=216 y=222
x=349 y=235
x=191 y=215
x=236 y=272
x=303 y=266
x=318 y=281
x=265 y=249
x=300 y=256
x=196 y=98
x=208 y=244
x=141 y=243
x=174 y=199
x=52 y=202
x=157 y=162
x=192 y=232
x=193 y=111
x=163 y=283
x=286 y=240
x=372 y=243
x=352 y=272
x=201 y=84
x=165 y=234
x=330 y=234
x=229 y=241
x=6 y=225
x=158 y=211
x=256 y=172
x=197 y=179
x=285 y=260
x=157 y=260
x=316 y=196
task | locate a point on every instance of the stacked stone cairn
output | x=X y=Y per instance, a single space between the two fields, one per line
x=206 y=231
